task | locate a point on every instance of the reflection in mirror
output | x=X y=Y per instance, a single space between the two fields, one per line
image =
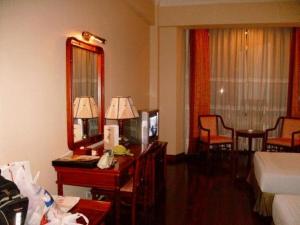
x=85 y=84
x=84 y=93
x=85 y=114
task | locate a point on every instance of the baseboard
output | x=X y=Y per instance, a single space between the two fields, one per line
x=176 y=158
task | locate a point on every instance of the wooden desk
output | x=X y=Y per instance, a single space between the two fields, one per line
x=105 y=179
x=95 y=211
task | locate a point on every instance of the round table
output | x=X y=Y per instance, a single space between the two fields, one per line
x=250 y=134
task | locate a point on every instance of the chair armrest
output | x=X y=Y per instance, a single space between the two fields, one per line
x=201 y=127
x=293 y=136
x=274 y=128
x=226 y=127
x=231 y=129
x=204 y=129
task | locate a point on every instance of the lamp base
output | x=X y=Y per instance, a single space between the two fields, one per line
x=122 y=140
x=85 y=124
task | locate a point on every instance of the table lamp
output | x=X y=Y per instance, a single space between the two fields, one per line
x=121 y=108
x=85 y=108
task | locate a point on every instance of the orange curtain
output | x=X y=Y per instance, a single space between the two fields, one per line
x=199 y=81
x=294 y=85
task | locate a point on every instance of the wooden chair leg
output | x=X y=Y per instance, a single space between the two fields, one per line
x=208 y=160
x=233 y=161
x=133 y=214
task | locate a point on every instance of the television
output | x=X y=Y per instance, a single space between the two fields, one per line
x=144 y=129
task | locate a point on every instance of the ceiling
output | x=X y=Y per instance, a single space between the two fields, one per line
x=198 y=2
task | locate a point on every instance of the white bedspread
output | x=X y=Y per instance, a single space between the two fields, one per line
x=286 y=210
x=277 y=172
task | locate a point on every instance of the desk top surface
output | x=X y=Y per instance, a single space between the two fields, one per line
x=122 y=163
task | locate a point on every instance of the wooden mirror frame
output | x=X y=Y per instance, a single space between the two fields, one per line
x=73 y=42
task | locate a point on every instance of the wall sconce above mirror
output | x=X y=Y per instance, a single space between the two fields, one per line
x=87 y=36
x=85 y=93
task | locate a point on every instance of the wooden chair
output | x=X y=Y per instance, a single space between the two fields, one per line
x=209 y=134
x=289 y=135
x=158 y=166
x=139 y=188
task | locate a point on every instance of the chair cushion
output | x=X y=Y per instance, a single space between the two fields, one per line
x=287 y=142
x=209 y=122
x=289 y=126
x=217 y=139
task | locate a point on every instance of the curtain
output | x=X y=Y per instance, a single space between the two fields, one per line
x=294 y=90
x=249 y=75
x=199 y=81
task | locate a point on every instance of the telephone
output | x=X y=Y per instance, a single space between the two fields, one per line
x=106 y=160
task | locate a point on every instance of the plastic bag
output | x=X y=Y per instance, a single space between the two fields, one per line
x=20 y=173
x=42 y=208
x=65 y=219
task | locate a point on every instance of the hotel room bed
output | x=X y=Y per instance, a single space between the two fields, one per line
x=275 y=173
x=278 y=172
x=286 y=209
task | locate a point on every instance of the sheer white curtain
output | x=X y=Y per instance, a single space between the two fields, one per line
x=249 y=75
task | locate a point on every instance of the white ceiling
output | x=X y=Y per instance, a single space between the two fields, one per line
x=198 y=2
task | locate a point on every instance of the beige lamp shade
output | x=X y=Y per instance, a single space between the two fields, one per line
x=85 y=108
x=121 y=108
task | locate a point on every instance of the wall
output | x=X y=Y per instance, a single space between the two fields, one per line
x=286 y=13
x=144 y=8
x=153 y=73
x=170 y=56
x=171 y=88
x=32 y=71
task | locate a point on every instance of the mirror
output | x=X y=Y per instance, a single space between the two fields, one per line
x=85 y=94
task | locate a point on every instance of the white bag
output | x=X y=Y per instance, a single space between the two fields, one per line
x=20 y=173
x=65 y=219
x=41 y=202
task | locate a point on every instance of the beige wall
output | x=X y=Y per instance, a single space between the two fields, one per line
x=143 y=8
x=171 y=88
x=171 y=94
x=153 y=73
x=32 y=71
x=231 y=14
x=154 y=58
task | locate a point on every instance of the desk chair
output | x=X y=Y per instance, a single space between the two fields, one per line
x=139 y=189
x=158 y=173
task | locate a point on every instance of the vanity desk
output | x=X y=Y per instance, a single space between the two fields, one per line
x=105 y=179
x=108 y=179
